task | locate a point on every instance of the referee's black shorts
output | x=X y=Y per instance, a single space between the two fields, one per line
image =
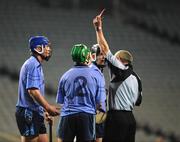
x=120 y=126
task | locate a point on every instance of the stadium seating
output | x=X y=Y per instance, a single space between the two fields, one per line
x=156 y=59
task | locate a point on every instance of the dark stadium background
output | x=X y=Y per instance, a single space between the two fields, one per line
x=150 y=29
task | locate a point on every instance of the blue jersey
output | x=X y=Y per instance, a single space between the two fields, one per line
x=31 y=76
x=80 y=89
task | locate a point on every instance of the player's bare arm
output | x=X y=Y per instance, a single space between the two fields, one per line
x=35 y=93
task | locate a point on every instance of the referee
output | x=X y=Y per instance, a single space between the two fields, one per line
x=124 y=91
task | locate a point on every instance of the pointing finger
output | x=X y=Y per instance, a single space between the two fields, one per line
x=101 y=12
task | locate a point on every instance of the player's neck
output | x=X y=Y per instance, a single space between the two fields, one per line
x=38 y=57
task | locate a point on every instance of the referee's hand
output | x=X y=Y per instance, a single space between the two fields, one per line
x=97 y=21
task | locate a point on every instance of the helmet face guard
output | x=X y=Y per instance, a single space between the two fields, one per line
x=80 y=53
x=95 y=49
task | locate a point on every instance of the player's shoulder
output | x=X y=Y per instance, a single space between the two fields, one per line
x=68 y=73
x=96 y=70
x=31 y=63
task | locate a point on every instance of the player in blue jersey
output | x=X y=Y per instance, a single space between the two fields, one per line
x=99 y=61
x=31 y=102
x=81 y=91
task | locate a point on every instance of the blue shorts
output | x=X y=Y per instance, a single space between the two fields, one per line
x=100 y=130
x=29 y=122
x=81 y=125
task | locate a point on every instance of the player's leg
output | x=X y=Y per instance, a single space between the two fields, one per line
x=99 y=132
x=85 y=127
x=43 y=138
x=99 y=139
x=66 y=129
x=40 y=125
x=30 y=125
x=59 y=140
x=24 y=122
x=29 y=139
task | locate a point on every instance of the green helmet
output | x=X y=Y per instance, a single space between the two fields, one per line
x=80 y=53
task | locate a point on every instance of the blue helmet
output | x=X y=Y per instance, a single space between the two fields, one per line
x=36 y=41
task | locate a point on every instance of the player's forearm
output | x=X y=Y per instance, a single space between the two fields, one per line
x=36 y=95
x=102 y=41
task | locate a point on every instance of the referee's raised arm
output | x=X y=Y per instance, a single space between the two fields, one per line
x=97 y=22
